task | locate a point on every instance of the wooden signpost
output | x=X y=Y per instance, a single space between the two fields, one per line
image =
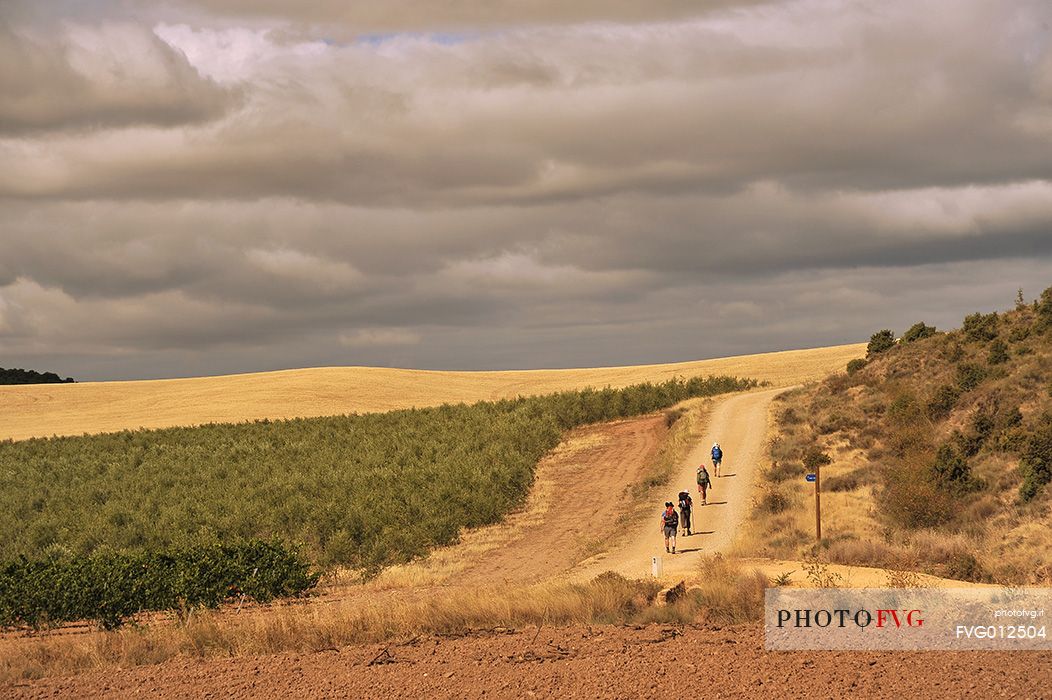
x=818 y=503
x=813 y=461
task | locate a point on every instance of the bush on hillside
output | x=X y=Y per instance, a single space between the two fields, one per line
x=980 y=327
x=998 y=353
x=1036 y=463
x=965 y=567
x=814 y=458
x=1018 y=334
x=772 y=501
x=1044 y=310
x=952 y=472
x=918 y=331
x=911 y=500
x=904 y=410
x=855 y=365
x=942 y=401
x=969 y=376
x=981 y=428
x=879 y=342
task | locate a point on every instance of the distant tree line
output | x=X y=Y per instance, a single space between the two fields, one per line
x=29 y=376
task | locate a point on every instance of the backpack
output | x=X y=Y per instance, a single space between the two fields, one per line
x=671 y=519
x=703 y=475
x=717 y=453
x=684 y=500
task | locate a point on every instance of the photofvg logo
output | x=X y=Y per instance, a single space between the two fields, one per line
x=907 y=618
x=807 y=617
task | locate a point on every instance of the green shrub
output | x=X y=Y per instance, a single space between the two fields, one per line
x=814 y=458
x=1018 y=334
x=110 y=586
x=790 y=416
x=904 y=409
x=918 y=331
x=911 y=500
x=981 y=327
x=772 y=501
x=1036 y=463
x=969 y=376
x=981 y=429
x=1044 y=310
x=942 y=401
x=953 y=352
x=879 y=342
x=952 y=472
x=855 y=365
x=998 y=353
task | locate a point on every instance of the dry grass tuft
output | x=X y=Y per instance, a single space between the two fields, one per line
x=609 y=598
x=723 y=593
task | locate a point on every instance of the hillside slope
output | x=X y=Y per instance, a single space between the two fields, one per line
x=93 y=407
x=940 y=448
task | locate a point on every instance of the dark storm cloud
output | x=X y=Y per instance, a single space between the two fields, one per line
x=549 y=185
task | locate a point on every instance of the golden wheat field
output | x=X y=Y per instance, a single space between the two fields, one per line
x=93 y=407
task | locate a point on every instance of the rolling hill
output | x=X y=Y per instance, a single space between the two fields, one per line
x=94 y=407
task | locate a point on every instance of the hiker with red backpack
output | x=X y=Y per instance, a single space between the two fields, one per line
x=704 y=484
x=669 y=524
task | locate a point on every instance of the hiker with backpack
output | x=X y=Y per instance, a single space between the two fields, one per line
x=669 y=524
x=704 y=484
x=685 y=507
x=717 y=458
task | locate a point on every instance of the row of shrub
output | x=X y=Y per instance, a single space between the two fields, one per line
x=110 y=586
x=363 y=491
x=30 y=376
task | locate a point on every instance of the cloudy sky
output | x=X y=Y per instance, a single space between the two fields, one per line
x=213 y=186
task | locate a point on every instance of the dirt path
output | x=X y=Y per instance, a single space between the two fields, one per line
x=739 y=424
x=585 y=482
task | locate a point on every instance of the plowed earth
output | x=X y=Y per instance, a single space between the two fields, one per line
x=576 y=662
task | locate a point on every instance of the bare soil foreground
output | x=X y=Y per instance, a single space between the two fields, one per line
x=582 y=661
x=93 y=407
